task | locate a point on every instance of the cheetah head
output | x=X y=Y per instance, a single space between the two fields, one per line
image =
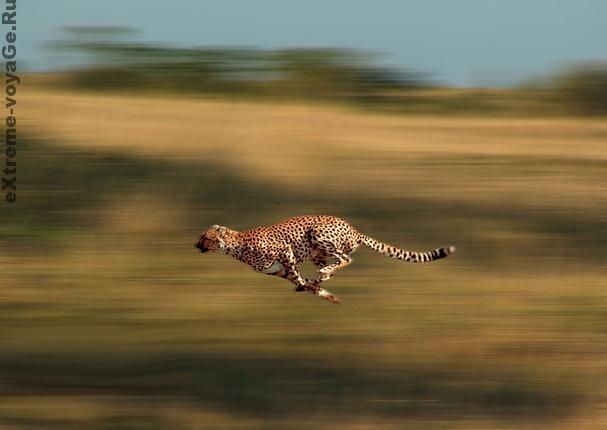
x=213 y=239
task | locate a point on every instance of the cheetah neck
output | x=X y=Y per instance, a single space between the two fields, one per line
x=233 y=244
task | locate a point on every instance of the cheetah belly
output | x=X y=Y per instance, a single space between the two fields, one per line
x=275 y=267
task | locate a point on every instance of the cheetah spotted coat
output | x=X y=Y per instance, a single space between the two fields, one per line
x=326 y=240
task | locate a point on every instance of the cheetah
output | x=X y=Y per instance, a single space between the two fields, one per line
x=327 y=241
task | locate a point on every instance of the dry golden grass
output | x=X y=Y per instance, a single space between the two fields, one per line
x=311 y=146
x=110 y=314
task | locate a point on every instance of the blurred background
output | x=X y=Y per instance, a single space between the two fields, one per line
x=474 y=123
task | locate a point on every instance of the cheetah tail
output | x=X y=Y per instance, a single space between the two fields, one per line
x=401 y=254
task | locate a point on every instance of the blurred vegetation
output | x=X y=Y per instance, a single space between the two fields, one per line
x=314 y=74
x=584 y=88
x=310 y=73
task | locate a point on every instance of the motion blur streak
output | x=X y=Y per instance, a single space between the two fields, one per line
x=110 y=319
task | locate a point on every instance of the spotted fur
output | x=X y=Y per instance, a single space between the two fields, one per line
x=326 y=240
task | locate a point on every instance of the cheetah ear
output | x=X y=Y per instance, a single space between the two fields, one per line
x=221 y=229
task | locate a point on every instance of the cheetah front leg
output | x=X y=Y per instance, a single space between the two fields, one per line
x=314 y=287
x=291 y=272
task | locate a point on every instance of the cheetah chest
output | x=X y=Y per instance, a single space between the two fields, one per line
x=275 y=267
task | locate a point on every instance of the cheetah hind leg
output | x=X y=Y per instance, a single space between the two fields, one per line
x=304 y=285
x=326 y=272
x=314 y=287
x=291 y=272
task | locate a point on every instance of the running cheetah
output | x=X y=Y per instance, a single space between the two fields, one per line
x=326 y=240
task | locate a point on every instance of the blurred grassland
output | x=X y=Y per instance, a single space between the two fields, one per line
x=110 y=319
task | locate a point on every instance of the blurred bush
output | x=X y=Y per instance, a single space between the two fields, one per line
x=320 y=74
x=583 y=88
x=295 y=72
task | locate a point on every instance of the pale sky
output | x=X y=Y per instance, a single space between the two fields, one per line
x=462 y=42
